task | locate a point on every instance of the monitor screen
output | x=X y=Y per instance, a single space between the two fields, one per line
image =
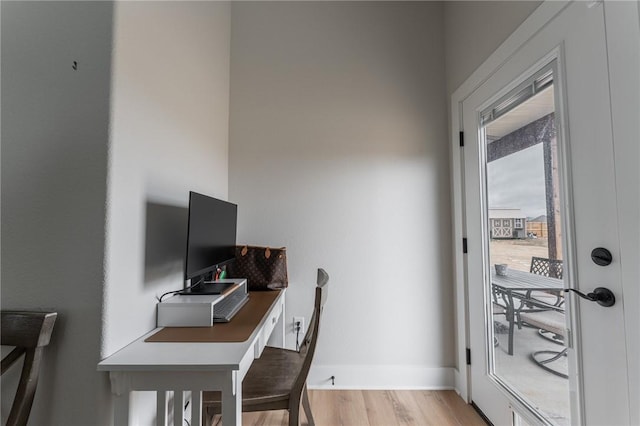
x=211 y=234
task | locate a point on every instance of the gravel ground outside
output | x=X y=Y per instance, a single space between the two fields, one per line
x=517 y=253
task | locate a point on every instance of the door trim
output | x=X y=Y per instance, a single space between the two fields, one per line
x=531 y=26
x=622 y=27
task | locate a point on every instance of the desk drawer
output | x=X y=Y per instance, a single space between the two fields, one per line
x=269 y=325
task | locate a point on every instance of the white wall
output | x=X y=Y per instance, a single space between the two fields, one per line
x=169 y=135
x=339 y=152
x=54 y=169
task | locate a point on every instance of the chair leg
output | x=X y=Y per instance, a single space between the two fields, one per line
x=555 y=355
x=307 y=406
x=294 y=415
x=511 y=325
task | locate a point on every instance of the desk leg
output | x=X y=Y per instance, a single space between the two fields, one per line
x=279 y=331
x=232 y=401
x=121 y=409
x=120 y=388
x=162 y=399
x=196 y=407
x=178 y=407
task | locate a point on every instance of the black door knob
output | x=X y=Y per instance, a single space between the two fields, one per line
x=601 y=256
x=601 y=295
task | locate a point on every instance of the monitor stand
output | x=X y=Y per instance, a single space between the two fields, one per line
x=207 y=289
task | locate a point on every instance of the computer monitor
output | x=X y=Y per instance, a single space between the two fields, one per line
x=211 y=236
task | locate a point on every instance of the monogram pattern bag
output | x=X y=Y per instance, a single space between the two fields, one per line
x=264 y=268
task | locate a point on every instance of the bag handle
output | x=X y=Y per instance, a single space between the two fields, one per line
x=267 y=251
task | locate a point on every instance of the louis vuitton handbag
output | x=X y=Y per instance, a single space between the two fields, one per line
x=265 y=268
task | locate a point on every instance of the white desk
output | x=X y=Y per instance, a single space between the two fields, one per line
x=178 y=367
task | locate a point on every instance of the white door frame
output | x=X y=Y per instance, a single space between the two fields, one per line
x=622 y=27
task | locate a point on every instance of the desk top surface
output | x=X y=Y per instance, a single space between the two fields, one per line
x=186 y=356
x=520 y=280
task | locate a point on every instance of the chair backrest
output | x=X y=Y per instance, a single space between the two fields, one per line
x=311 y=337
x=29 y=332
x=547 y=267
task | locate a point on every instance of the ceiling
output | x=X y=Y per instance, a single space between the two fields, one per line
x=532 y=109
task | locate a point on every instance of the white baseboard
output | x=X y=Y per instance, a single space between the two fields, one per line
x=380 y=377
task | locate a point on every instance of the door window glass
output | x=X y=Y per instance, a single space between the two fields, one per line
x=527 y=350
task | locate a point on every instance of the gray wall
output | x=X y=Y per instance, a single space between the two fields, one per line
x=54 y=168
x=338 y=150
x=168 y=135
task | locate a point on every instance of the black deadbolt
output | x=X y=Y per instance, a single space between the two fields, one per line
x=601 y=256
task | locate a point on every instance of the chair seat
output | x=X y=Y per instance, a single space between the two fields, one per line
x=552 y=321
x=549 y=298
x=268 y=381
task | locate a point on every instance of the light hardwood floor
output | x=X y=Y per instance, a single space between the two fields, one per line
x=380 y=408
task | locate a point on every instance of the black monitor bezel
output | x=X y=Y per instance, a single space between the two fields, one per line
x=210 y=268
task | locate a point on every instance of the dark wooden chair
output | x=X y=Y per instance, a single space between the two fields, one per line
x=29 y=332
x=278 y=379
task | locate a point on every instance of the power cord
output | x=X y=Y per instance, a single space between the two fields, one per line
x=178 y=291
x=297 y=336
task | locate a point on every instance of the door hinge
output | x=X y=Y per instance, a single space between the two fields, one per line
x=464 y=245
x=468 y=356
x=461 y=138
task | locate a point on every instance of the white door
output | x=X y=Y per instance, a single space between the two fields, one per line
x=560 y=77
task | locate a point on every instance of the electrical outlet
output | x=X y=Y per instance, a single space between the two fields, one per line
x=297 y=320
